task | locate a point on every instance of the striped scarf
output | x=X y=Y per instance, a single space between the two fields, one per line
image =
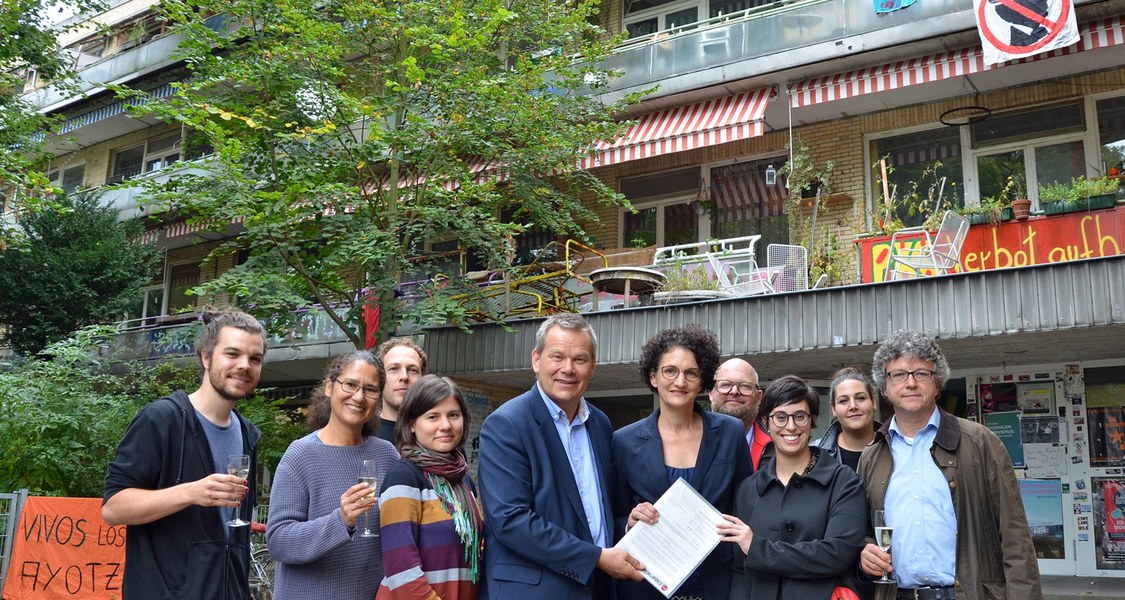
x=446 y=474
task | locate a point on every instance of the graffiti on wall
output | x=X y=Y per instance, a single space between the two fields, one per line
x=1036 y=241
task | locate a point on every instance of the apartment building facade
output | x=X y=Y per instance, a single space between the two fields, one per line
x=1034 y=339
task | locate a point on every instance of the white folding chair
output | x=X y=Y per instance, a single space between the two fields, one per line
x=939 y=252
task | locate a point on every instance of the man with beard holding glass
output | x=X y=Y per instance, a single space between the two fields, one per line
x=168 y=480
x=736 y=393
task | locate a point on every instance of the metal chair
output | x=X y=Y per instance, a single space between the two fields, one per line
x=939 y=252
x=741 y=276
x=791 y=263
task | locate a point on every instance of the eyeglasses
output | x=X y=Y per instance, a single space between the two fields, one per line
x=781 y=419
x=351 y=387
x=671 y=373
x=730 y=387
x=920 y=376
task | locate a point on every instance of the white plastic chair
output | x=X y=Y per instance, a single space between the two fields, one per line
x=741 y=276
x=791 y=262
x=939 y=252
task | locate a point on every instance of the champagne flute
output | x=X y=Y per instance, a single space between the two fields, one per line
x=882 y=538
x=367 y=475
x=239 y=466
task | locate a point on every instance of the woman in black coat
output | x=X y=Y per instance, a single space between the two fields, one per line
x=799 y=521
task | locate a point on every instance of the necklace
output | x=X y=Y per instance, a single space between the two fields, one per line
x=813 y=456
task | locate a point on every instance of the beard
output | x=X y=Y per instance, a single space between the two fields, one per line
x=742 y=412
x=225 y=391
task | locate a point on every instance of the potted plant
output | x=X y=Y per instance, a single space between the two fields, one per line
x=1080 y=194
x=684 y=283
x=991 y=210
x=1014 y=195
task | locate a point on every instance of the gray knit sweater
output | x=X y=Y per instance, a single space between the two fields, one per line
x=315 y=557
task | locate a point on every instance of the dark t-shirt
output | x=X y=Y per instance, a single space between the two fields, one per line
x=387 y=431
x=850 y=458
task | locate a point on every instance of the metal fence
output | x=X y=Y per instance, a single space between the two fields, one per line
x=10 y=506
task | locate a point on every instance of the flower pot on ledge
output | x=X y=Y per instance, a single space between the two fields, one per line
x=1021 y=209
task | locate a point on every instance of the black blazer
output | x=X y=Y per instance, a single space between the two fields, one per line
x=723 y=462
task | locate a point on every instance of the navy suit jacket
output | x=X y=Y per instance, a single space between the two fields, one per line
x=723 y=462
x=537 y=541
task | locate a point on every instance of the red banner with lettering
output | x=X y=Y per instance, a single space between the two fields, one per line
x=63 y=549
x=1036 y=241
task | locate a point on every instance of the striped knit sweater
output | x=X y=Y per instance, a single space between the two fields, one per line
x=314 y=554
x=423 y=557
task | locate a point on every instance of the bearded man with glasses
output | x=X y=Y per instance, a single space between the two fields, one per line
x=947 y=488
x=736 y=393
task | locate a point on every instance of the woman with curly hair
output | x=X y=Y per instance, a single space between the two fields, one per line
x=316 y=503
x=679 y=440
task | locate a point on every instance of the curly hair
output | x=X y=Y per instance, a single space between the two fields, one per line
x=382 y=350
x=911 y=344
x=421 y=398
x=699 y=341
x=852 y=374
x=320 y=404
x=786 y=390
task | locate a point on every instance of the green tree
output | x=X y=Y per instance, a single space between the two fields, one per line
x=347 y=135
x=63 y=413
x=72 y=264
x=29 y=42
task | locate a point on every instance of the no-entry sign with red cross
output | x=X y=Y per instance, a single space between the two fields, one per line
x=1017 y=28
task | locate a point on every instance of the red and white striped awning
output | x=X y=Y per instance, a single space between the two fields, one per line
x=181 y=228
x=715 y=121
x=937 y=67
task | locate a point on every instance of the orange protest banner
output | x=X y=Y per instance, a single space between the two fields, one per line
x=63 y=549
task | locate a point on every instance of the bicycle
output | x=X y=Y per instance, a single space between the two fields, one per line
x=261 y=564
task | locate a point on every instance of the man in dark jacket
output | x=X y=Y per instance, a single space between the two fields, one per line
x=946 y=487
x=168 y=481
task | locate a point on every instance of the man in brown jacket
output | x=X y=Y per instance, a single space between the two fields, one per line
x=947 y=488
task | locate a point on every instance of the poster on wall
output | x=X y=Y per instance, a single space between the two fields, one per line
x=998 y=397
x=1109 y=528
x=1006 y=426
x=1106 y=418
x=1036 y=398
x=1040 y=430
x=1043 y=503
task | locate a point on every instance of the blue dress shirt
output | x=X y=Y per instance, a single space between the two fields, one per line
x=576 y=441
x=919 y=506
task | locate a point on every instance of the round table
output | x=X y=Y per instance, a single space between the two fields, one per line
x=625 y=281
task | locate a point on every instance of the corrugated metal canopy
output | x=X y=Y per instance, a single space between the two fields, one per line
x=1064 y=312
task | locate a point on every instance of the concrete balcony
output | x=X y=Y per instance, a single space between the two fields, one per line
x=776 y=37
x=129 y=200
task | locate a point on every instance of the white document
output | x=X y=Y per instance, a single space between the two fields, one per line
x=685 y=534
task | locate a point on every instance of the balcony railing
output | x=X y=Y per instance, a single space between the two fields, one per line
x=783 y=28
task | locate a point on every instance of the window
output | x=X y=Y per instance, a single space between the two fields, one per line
x=1111 y=133
x=182 y=278
x=744 y=204
x=666 y=213
x=643 y=17
x=148 y=157
x=921 y=158
x=162 y=153
x=71 y=178
x=146 y=306
x=1036 y=147
x=127 y=163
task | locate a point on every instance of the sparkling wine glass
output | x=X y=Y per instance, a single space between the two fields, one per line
x=239 y=466
x=883 y=534
x=367 y=475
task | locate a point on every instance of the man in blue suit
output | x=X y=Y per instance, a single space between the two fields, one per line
x=545 y=480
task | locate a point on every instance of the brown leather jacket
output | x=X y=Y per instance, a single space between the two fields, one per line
x=995 y=556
